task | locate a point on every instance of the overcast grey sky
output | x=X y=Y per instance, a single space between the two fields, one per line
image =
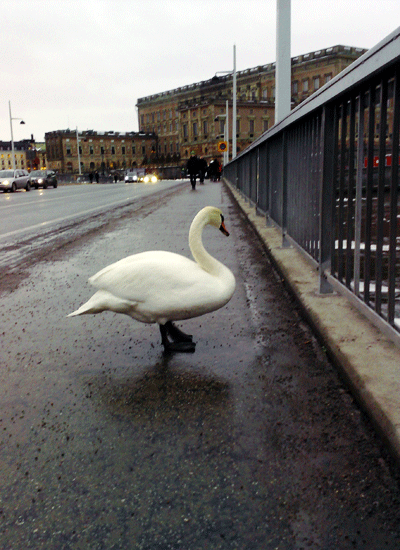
x=69 y=63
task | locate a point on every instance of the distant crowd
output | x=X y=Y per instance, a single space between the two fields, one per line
x=198 y=168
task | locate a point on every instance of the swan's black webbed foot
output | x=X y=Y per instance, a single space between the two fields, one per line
x=176 y=334
x=180 y=346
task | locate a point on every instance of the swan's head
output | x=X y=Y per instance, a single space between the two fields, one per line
x=215 y=217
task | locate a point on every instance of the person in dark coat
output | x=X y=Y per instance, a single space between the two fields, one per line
x=193 y=168
x=214 y=170
x=202 y=169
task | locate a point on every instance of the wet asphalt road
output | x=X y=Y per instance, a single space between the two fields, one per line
x=252 y=442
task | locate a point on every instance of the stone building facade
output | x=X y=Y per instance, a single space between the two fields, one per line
x=102 y=151
x=24 y=153
x=191 y=118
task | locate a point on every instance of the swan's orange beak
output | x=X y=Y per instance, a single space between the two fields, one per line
x=223 y=229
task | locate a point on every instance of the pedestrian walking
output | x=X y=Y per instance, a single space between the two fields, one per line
x=202 y=169
x=193 y=168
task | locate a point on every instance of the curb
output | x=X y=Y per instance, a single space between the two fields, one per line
x=368 y=360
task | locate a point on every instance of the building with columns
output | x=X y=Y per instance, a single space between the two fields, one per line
x=101 y=151
x=192 y=118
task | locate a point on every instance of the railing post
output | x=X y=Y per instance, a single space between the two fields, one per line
x=285 y=242
x=327 y=187
x=358 y=205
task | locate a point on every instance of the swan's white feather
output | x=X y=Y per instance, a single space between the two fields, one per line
x=159 y=286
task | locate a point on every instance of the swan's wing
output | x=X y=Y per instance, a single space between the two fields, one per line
x=158 y=272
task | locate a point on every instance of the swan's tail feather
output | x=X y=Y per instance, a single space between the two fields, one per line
x=103 y=300
x=100 y=301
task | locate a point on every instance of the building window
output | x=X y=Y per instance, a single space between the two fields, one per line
x=113 y=149
x=123 y=149
x=305 y=85
x=295 y=87
x=68 y=150
x=316 y=82
x=185 y=131
x=251 y=127
x=195 y=132
x=328 y=77
x=205 y=127
x=143 y=150
x=265 y=94
x=91 y=151
x=265 y=124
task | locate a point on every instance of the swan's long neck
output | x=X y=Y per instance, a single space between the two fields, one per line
x=200 y=254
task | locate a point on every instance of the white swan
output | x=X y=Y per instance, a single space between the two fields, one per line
x=161 y=287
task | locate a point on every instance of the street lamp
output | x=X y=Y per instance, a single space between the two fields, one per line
x=12 y=137
x=79 y=155
x=234 y=108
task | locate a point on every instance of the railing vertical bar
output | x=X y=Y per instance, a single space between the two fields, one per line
x=340 y=217
x=335 y=179
x=369 y=185
x=326 y=196
x=358 y=205
x=350 y=194
x=381 y=194
x=285 y=242
x=394 y=195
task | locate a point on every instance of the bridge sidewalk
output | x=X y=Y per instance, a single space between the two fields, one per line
x=369 y=361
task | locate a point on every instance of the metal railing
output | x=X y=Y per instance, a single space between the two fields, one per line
x=328 y=176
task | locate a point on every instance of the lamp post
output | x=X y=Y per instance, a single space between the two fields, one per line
x=12 y=136
x=79 y=155
x=283 y=61
x=234 y=109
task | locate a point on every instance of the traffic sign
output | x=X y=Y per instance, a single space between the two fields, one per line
x=222 y=146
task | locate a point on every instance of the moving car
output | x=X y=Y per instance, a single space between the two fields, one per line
x=43 y=178
x=137 y=174
x=150 y=178
x=11 y=180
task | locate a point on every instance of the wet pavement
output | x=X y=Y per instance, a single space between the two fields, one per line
x=252 y=442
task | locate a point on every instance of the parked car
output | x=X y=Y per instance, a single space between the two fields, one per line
x=43 y=178
x=11 y=180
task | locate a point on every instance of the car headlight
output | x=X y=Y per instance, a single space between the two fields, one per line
x=6 y=182
x=40 y=180
x=146 y=179
x=153 y=179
